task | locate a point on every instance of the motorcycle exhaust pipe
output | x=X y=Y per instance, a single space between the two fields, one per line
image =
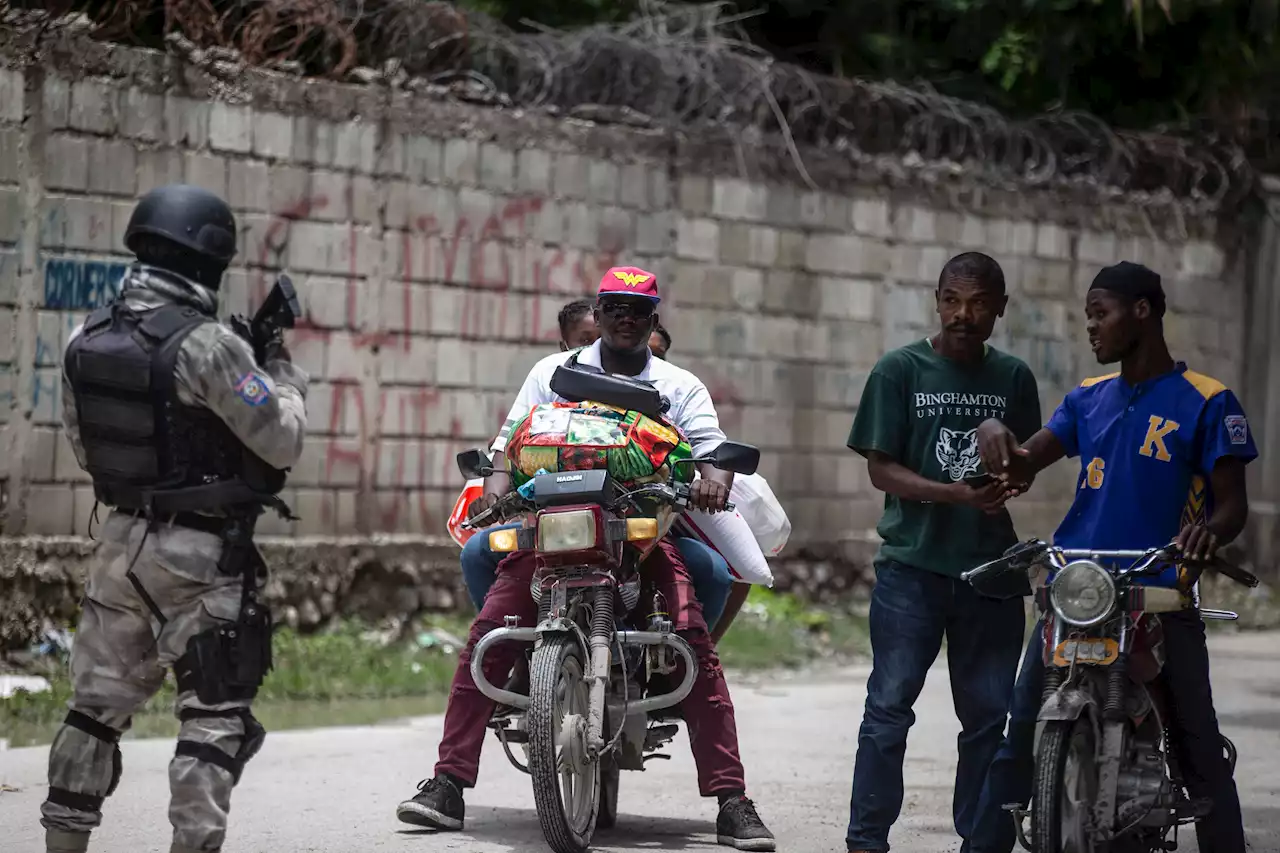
x=1222 y=615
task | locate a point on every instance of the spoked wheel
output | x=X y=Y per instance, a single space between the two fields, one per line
x=1066 y=786
x=610 y=777
x=566 y=783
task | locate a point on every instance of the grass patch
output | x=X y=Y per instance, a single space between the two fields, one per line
x=778 y=630
x=351 y=675
x=347 y=676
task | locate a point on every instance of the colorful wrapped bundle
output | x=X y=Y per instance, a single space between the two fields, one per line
x=558 y=437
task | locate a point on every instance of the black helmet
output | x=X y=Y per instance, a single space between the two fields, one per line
x=191 y=217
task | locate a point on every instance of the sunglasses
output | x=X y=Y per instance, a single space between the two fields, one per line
x=640 y=309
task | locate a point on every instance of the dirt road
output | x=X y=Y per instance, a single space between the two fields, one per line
x=335 y=790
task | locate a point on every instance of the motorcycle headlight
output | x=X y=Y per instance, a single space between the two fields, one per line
x=1083 y=593
x=567 y=531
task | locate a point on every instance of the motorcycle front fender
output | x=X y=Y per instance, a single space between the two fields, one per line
x=556 y=625
x=1068 y=704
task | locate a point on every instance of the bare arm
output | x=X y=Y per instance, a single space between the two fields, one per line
x=1019 y=465
x=896 y=479
x=1230 y=511
x=1231 y=499
x=738 y=593
x=498 y=483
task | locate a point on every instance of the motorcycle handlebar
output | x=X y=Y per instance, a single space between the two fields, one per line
x=1148 y=557
x=676 y=497
x=515 y=501
x=497 y=512
x=1236 y=573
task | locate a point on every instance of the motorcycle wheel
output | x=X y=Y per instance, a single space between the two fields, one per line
x=610 y=777
x=566 y=785
x=1066 y=786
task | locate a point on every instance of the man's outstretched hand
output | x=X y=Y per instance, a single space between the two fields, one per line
x=1002 y=456
x=990 y=498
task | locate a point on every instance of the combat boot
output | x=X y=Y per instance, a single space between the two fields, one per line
x=58 y=841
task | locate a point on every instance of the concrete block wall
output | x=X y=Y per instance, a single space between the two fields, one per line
x=433 y=257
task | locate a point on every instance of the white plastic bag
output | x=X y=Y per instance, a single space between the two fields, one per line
x=729 y=535
x=757 y=504
x=758 y=525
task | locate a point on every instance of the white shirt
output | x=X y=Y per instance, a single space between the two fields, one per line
x=691 y=407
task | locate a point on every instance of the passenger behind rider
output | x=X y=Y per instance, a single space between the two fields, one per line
x=712 y=581
x=626 y=312
x=1163 y=452
x=660 y=342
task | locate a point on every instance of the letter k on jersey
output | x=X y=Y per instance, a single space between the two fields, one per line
x=1153 y=444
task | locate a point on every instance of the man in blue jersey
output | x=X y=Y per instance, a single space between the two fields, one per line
x=1163 y=451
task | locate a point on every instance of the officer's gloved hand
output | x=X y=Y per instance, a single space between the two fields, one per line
x=275 y=350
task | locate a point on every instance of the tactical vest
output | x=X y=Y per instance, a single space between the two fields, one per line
x=145 y=450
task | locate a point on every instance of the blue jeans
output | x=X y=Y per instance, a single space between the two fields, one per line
x=707 y=569
x=1205 y=770
x=911 y=610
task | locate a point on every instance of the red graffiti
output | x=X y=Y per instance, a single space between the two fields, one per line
x=396 y=445
x=729 y=401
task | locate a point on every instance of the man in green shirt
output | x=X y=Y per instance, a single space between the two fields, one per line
x=917 y=426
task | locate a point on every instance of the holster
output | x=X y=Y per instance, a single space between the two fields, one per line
x=229 y=662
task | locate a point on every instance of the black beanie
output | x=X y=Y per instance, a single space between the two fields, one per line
x=1133 y=281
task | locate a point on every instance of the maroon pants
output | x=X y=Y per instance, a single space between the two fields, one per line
x=708 y=710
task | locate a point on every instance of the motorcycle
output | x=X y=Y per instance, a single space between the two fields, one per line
x=1106 y=776
x=590 y=713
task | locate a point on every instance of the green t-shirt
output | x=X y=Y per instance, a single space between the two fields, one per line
x=922 y=410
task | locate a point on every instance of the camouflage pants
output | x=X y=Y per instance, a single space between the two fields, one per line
x=118 y=662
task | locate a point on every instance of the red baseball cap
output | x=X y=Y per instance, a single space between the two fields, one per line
x=629 y=281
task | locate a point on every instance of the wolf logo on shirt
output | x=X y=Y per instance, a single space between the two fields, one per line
x=958 y=452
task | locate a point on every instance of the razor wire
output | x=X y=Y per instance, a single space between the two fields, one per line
x=684 y=66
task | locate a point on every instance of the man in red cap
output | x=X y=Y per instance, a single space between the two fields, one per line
x=626 y=312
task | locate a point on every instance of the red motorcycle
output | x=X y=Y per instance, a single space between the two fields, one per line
x=1106 y=778
x=598 y=700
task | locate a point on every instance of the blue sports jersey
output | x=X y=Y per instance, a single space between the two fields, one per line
x=1146 y=453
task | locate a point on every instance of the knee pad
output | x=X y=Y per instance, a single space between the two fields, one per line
x=100 y=731
x=254 y=735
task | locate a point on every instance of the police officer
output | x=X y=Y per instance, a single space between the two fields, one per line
x=186 y=429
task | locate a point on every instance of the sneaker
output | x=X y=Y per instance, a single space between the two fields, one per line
x=739 y=826
x=438 y=805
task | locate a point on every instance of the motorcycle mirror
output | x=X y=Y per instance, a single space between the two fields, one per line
x=474 y=464
x=734 y=456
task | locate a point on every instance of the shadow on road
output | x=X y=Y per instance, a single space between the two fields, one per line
x=1248 y=719
x=519 y=828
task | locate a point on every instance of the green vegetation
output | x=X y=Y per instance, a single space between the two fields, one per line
x=1134 y=63
x=351 y=675
x=779 y=630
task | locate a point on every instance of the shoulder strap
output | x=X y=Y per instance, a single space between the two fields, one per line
x=98 y=318
x=160 y=323
x=166 y=329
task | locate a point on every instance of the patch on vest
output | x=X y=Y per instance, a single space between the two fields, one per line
x=252 y=388
x=1237 y=429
